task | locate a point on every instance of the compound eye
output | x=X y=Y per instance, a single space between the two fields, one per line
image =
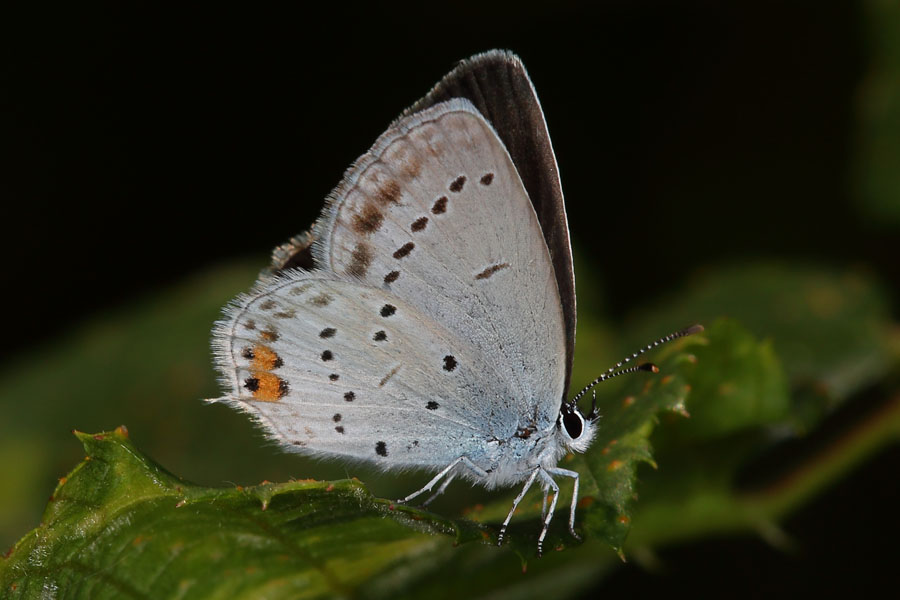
x=574 y=424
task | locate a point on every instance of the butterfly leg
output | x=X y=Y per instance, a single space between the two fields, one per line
x=440 y=490
x=428 y=486
x=574 y=475
x=549 y=484
x=518 y=499
x=544 y=503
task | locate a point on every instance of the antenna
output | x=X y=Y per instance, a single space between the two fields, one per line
x=617 y=370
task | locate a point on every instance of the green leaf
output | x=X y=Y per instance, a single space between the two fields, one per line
x=610 y=467
x=115 y=532
x=121 y=526
x=151 y=534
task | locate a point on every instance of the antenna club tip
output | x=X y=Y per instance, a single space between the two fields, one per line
x=649 y=367
x=693 y=329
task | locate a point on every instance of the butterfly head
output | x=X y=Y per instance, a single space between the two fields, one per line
x=576 y=430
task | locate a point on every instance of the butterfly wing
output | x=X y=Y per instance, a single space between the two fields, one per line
x=436 y=213
x=497 y=84
x=334 y=366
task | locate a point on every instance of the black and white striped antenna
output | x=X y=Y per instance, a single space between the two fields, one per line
x=617 y=369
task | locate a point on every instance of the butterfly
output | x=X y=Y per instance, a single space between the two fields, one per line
x=427 y=320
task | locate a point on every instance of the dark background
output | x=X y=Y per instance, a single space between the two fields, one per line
x=144 y=144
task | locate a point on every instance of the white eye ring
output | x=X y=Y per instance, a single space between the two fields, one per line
x=576 y=432
x=572 y=421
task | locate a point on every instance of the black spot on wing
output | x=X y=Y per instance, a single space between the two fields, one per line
x=404 y=250
x=440 y=206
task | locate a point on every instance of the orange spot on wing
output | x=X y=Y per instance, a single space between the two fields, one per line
x=271 y=387
x=614 y=465
x=264 y=358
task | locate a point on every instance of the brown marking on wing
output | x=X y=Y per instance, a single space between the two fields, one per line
x=491 y=270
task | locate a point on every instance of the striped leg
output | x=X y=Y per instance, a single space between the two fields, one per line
x=574 y=475
x=518 y=499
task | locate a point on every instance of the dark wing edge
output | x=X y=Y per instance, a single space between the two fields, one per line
x=497 y=83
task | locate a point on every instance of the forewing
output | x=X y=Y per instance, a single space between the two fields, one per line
x=497 y=84
x=436 y=213
x=333 y=366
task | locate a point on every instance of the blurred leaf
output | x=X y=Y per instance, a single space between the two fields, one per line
x=831 y=330
x=877 y=178
x=736 y=382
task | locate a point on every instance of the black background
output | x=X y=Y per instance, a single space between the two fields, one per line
x=144 y=144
